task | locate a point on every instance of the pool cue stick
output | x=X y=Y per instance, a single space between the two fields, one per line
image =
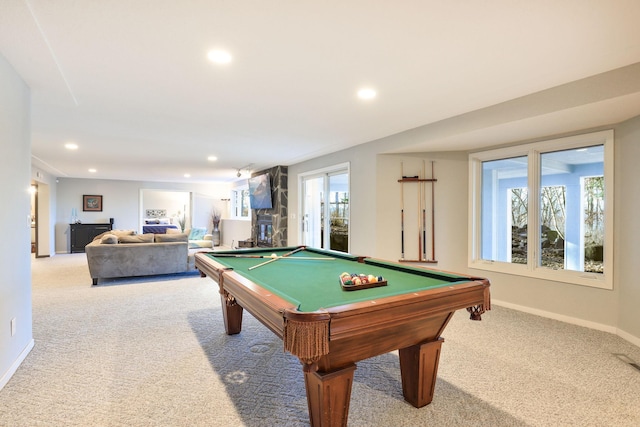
x=402 y=211
x=419 y=242
x=433 y=215
x=275 y=259
x=269 y=256
x=418 y=219
x=423 y=202
x=239 y=256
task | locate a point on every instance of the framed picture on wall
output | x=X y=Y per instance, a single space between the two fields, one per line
x=92 y=203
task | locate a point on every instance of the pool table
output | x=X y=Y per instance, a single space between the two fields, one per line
x=300 y=297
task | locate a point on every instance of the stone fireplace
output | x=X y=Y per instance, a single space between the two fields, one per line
x=269 y=226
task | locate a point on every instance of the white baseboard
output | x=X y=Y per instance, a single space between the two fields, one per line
x=556 y=316
x=572 y=320
x=14 y=367
x=627 y=336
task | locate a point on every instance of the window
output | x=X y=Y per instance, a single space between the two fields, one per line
x=545 y=210
x=240 y=202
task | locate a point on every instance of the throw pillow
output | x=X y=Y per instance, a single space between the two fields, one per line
x=99 y=236
x=137 y=238
x=197 y=233
x=109 y=239
x=122 y=232
x=116 y=233
x=161 y=238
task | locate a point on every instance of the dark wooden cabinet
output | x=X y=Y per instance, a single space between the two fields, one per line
x=83 y=234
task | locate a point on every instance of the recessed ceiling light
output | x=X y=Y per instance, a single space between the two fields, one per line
x=212 y=158
x=92 y=170
x=71 y=146
x=187 y=175
x=219 y=56
x=366 y=93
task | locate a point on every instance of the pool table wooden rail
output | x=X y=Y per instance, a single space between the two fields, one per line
x=362 y=330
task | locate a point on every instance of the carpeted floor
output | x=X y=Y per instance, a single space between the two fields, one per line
x=153 y=352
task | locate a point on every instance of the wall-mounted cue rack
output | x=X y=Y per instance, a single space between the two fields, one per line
x=422 y=182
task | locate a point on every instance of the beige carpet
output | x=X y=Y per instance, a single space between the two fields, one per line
x=153 y=352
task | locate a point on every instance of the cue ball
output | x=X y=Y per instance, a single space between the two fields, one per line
x=274 y=256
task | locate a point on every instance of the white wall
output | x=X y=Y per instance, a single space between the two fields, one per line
x=204 y=206
x=627 y=227
x=121 y=201
x=450 y=210
x=15 y=253
x=234 y=230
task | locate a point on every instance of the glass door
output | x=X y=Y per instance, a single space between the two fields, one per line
x=312 y=226
x=338 y=211
x=325 y=209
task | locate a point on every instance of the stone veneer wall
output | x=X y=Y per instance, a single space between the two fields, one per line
x=279 y=212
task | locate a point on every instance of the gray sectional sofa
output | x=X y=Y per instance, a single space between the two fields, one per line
x=122 y=253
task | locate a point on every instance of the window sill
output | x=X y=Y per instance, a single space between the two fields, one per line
x=592 y=280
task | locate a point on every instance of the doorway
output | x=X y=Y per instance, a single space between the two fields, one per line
x=172 y=207
x=40 y=219
x=33 y=190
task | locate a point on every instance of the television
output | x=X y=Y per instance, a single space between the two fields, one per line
x=260 y=192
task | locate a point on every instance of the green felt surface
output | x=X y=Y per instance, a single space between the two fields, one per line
x=314 y=284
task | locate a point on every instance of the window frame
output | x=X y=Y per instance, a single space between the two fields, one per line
x=533 y=151
x=238 y=189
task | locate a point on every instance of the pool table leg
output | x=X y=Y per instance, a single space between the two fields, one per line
x=328 y=395
x=418 y=369
x=232 y=313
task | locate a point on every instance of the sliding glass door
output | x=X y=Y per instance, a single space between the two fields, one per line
x=325 y=208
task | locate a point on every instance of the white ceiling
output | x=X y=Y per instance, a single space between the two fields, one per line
x=130 y=83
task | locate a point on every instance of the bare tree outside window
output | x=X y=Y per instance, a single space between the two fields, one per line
x=553 y=213
x=593 y=188
x=519 y=214
x=553 y=218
